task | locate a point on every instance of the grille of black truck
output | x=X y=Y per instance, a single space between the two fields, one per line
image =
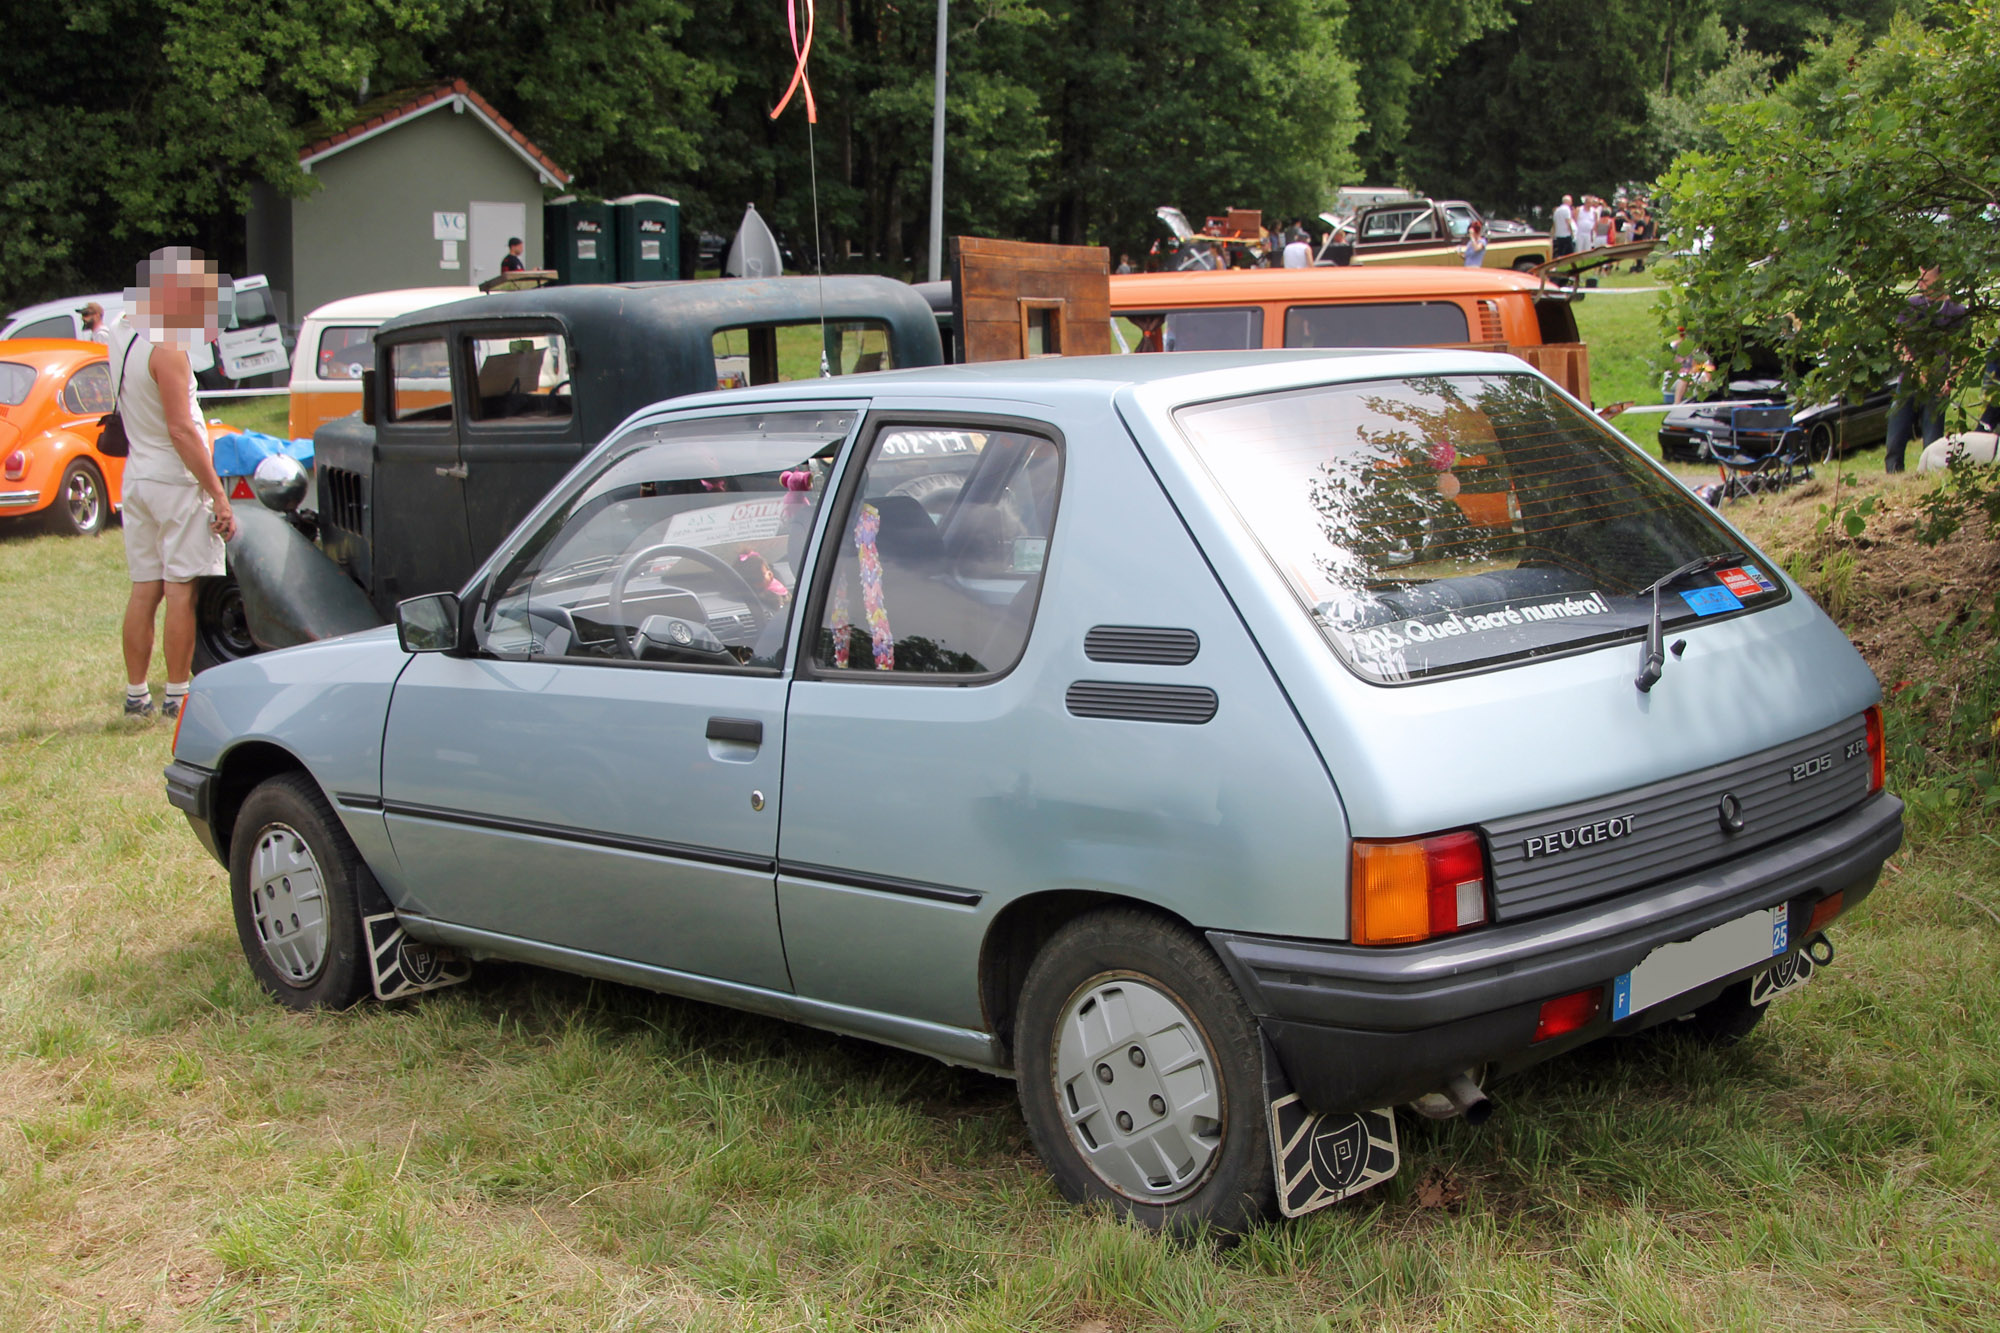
x=343 y=499
x=1553 y=859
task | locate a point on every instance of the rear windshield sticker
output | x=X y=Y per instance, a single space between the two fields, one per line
x=1747 y=581
x=1711 y=601
x=1451 y=625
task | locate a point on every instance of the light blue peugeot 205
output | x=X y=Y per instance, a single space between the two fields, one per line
x=1232 y=749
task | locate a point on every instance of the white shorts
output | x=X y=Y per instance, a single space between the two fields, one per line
x=167 y=533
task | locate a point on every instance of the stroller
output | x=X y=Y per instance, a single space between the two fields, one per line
x=1763 y=453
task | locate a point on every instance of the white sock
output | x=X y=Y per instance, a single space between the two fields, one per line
x=136 y=692
x=179 y=691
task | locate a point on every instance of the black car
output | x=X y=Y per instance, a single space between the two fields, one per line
x=472 y=411
x=1741 y=421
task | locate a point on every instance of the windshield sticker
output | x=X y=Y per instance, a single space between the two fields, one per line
x=1746 y=582
x=1452 y=625
x=1711 y=601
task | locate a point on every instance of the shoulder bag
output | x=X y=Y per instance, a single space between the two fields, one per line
x=111 y=438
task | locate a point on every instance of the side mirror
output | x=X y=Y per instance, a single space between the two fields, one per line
x=368 y=397
x=428 y=624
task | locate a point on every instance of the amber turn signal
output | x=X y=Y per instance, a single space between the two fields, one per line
x=1410 y=889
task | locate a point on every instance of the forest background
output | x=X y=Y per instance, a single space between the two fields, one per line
x=125 y=124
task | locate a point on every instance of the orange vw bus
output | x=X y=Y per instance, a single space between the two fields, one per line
x=1489 y=309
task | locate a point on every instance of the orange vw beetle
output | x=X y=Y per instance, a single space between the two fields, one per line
x=52 y=393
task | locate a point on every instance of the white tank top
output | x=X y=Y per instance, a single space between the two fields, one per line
x=153 y=457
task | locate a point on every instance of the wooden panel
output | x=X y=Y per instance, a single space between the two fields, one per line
x=1001 y=290
x=1568 y=364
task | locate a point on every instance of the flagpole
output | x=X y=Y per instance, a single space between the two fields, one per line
x=937 y=150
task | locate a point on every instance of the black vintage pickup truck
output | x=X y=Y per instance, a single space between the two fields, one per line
x=474 y=410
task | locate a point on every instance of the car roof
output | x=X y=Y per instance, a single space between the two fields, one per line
x=1199 y=373
x=47 y=351
x=1137 y=291
x=387 y=305
x=631 y=309
x=113 y=302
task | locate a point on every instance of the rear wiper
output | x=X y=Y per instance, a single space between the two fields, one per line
x=1655 y=659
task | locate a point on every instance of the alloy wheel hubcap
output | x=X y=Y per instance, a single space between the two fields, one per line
x=1139 y=1087
x=82 y=501
x=288 y=905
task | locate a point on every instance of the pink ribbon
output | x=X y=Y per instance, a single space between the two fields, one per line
x=800 y=52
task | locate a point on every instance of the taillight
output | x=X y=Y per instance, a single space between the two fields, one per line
x=1567 y=1013
x=16 y=466
x=1878 y=757
x=1823 y=913
x=1410 y=889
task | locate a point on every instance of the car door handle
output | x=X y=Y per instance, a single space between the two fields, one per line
x=746 y=730
x=455 y=470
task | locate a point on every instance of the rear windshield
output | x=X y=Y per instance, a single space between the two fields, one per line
x=16 y=381
x=1443 y=524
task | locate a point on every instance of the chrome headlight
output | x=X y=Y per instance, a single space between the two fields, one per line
x=280 y=482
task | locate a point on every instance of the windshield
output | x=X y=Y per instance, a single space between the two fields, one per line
x=1441 y=524
x=683 y=546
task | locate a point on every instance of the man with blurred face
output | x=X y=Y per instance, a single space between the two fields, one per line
x=177 y=515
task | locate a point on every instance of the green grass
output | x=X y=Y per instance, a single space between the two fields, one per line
x=261 y=414
x=534 y=1151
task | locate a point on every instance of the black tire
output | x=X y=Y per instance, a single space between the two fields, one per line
x=1118 y=951
x=291 y=814
x=82 y=505
x=1722 y=1022
x=221 y=629
x=1823 y=445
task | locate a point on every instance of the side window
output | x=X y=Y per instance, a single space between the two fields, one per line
x=62 y=326
x=1385 y=226
x=938 y=563
x=1397 y=324
x=769 y=354
x=89 y=390
x=520 y=377
x=683 y=548
x=345 y=351
x=422 y=382
x=1422 y=228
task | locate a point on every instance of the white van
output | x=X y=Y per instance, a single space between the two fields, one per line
x=336 y=343
x=59 y=319
x=251 y=344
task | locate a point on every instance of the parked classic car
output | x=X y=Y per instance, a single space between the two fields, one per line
x=53 y=391
x=1741 y=422
x=1431 y=231
x=475 y=409
x=1230 y=747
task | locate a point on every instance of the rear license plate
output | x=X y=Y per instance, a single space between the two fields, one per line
x=1675 y=969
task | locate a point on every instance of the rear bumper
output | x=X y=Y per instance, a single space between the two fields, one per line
x=191 y=790
x=18 y=501
x=1358 y=1027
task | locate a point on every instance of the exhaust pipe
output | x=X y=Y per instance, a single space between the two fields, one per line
x=1469 y=1099
x=1459 y=1097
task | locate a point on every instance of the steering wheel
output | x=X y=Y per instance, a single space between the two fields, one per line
x=616 y=607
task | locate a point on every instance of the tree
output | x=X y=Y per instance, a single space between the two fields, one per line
x=1555 y=104
x=1398 y=47
x=1826 y=199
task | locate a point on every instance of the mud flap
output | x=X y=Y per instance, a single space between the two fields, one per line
x=1322 y=1159
x=1782 y=977
x=402 y=966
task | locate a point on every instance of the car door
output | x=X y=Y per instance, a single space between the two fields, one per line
x=602 y=772
x=416 y=499
x=520 y=434
x=906 y=754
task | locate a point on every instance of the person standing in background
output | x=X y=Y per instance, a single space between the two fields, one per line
x=1927 y=322
x=94 y=329
x=1586 y=223
x=177 y=514
x=511 y=262
x=1475 y=244
x=1298 y=250
x=1563 y=229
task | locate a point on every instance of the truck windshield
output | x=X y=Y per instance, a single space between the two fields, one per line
x=1442 y=524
